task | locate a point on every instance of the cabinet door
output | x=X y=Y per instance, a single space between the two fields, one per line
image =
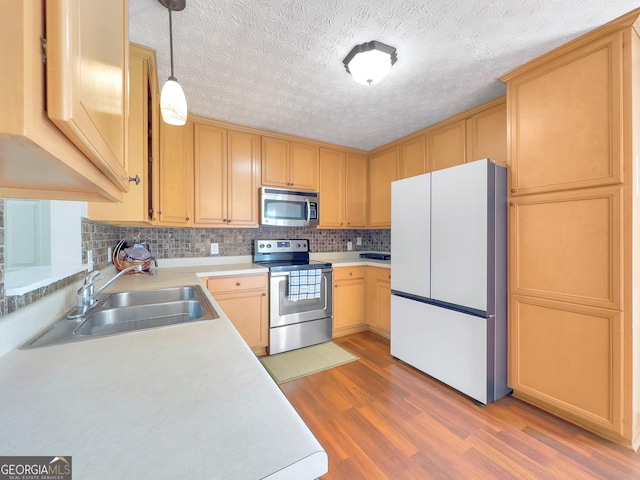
x=275 y=162
x=176 y=175
x=383 y=169
x=487 y=135
x=355 y=191
x=248 y=312
x=303 y=166
x=379 y=300
x=567 y=358
x=210 y=163
x=242 y=178
x=138 y=203
x=332 y=188
x=87 y=79
x=348 y=306
x=566 y=121
x=414 y=157
x=447 y=146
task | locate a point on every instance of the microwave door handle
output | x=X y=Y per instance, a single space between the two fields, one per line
x=308 y=211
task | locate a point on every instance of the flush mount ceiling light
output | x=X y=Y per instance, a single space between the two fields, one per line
x=173 y=103
x=370 y=62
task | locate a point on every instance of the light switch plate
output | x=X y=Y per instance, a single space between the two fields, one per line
x=214 y=248
x=358 y=240
x=349 y=246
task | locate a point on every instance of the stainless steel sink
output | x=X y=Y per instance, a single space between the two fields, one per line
x=126 y=319
x=123 y=312
x=145 y=297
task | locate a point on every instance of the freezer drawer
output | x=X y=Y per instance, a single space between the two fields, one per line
x=447 y=345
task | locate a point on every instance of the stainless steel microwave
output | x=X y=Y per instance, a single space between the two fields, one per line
x=288 y=208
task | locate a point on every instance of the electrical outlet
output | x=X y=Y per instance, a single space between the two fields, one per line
x=349 y=246
x=109 y=255
x=358 y=240
x=214 y=249
x=90 y=260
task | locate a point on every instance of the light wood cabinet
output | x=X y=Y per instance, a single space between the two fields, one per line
x=243 y=298
x=87 y=79
x=343 y=189
x=413 y=158
x=349 y=291
x=487 y=135
x=383 y=169
x=378 y=307
x=289 y=164
x=574 y=312
x=446 y=145
x=175 y=183
x=38 y=160
x=138 y=204
x=226 y=166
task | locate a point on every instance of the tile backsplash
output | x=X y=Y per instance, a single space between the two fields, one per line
x=190 y=243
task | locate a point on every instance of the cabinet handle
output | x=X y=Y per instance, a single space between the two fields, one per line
x=335 y=286
x=350 y=273
x=187 y=219
x=237 y=284
x=264 y=294
x=511 y=204
x=513 y=190
x=135 y=179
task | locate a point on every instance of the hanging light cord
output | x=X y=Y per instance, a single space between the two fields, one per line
x=171 y=44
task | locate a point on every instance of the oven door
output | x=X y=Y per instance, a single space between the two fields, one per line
x=283 y=311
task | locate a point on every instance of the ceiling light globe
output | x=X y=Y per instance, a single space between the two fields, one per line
x=370 y=67
x=173 y=103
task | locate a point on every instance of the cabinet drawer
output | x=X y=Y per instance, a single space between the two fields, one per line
x=236 y=283
x=347 y=273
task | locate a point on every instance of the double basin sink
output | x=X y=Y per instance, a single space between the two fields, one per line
x=123 y=312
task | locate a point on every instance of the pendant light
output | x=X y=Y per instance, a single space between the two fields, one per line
x=370 y=62
x=173 y=103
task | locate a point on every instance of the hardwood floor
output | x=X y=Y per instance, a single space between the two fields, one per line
x=378 y=418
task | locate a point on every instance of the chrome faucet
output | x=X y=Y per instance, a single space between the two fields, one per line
x=86 y=294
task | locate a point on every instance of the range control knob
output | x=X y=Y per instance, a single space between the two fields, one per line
x=268 y=245
x=261 y=245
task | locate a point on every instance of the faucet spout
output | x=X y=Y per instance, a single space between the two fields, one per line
x=86 y=294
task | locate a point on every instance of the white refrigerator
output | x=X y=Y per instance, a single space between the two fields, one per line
x=449 y=276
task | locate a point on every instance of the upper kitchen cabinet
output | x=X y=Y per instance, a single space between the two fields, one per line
x=446 y=145
x=383 y=169
x=138 y=204
x=413 y=157
x=87 y=79
x=289 y=164
x=574 y=266
x=487 y=134
x=175 y=175
x=567 y=134
x=38 y=160
x=227 y=166
x=343 y=189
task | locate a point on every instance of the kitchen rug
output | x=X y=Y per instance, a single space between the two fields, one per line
x=287 y=366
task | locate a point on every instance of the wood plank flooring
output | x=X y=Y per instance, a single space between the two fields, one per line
x=378 y=418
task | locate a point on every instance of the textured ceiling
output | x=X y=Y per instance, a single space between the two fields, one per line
x=277 y=64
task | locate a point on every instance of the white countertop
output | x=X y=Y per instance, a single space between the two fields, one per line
x=187 y=401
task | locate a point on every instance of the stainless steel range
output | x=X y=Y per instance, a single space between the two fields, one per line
x=300 y=294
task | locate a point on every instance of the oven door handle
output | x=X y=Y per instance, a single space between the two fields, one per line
x=308 y=211
x=286 y=274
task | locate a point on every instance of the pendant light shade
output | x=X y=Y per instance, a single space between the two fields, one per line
x=173 y=102
x=370 y=62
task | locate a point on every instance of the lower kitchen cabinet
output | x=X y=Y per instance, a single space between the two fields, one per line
x=243 y=298
x=349 y=293
x=378 y=307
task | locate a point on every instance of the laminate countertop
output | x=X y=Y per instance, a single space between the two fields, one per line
x=186 y=401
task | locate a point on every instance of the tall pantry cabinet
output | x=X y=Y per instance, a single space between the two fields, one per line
x=574 y=142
